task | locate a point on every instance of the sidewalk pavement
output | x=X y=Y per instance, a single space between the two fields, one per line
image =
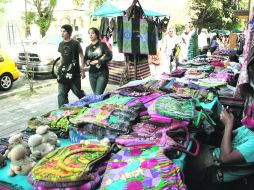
x=37 y=84
x=25 y=87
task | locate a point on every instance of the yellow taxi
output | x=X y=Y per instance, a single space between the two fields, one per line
x=8 y=71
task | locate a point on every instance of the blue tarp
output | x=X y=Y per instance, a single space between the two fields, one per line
x=107 y=9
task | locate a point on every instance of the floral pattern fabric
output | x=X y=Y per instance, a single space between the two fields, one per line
x=133 y=168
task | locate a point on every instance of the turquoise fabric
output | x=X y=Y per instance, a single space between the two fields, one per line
x=116 y=99
x=109 y=9
x=22 y=180
x=244 y=143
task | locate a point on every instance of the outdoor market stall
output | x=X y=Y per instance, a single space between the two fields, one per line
x=136 y=69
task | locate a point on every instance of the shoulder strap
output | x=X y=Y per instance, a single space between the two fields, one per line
x=73 y=55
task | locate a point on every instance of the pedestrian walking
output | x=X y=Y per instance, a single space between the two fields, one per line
x=97 y=55
x=71 y=53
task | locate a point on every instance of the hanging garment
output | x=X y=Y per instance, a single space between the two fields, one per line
x=104 y=28
x=243 y=77
x=136 y=36
x=233 y=40
x=193 y=46
x=112 y=25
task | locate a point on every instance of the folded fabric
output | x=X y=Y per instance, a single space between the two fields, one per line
x=217 y=63
x=212 y=82
x=57 y=119
x=87 y=100
x=205 y=68
x=145 y=99
x=194 y=74
x=135 y=91
x=147 y=135
x=178 y=73
x=190 y=93
x=116 y=100
x=226 y=76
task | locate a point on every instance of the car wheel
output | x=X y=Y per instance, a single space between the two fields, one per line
x=55 y=68
x=6 y=82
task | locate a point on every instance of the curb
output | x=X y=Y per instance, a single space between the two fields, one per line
x=25 y=88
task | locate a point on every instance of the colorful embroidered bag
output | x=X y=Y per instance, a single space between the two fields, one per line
x=182 y=109
x=76 y=185
x=138 y=169
x=145 y=135
x=57 y=119
x=69 y=163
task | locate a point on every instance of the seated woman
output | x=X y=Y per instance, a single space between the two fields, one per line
x=215 y=165
x=236 y=147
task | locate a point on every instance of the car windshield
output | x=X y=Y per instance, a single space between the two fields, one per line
x=51 y=39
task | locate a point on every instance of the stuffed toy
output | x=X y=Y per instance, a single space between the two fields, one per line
x=38 y=147
x=2 y=161
x=21 y=164
x=15 y=140
x=47 y=135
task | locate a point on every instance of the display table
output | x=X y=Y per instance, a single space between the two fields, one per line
x=18 y=180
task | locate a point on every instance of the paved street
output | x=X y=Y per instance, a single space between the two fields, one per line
x=17 y=109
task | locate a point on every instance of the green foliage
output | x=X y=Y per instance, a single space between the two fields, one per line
x=95 y=3
x=44 y=15
x=78 y=2
x=31 y=17
x=2 y=4
x=215 y=13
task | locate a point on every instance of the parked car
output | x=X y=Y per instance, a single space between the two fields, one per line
x=8 y=71
x=41 y=58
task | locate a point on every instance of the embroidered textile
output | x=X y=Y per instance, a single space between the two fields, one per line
x=116 y=100
x=141 y=169
x=69 y=163
x=87 y=100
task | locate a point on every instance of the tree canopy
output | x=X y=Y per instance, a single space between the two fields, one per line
x=43 y=15
x=2 y=4
x=216 y=13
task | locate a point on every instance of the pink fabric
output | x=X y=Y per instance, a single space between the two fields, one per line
x=243 y=77
x=217 y=63
x=106 y=40
x=248 y=119
x=222 y=75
